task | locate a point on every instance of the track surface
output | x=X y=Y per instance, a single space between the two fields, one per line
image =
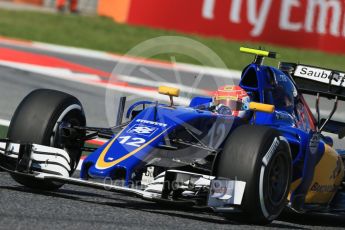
x=75 y=207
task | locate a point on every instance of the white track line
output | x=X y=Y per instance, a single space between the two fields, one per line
x=90 y=80
x=222 y=73
x=146 y=82
x=73 y=51
x=49 y=71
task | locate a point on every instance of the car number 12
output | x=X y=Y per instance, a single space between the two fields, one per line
x=135 y=141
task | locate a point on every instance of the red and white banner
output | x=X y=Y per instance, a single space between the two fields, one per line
x=314 y=24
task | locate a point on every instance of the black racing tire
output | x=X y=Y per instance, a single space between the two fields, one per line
x=36 y=120
x=261 y=157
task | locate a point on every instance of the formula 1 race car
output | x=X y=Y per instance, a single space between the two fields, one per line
x=255 y=152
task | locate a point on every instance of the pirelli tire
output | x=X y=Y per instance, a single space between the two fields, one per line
x=37 y=120
x=261 y=157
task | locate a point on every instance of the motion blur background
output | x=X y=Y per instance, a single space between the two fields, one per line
x=314 y=24
x=309 y=31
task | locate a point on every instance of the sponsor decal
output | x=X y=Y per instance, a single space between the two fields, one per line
x=225 y=192
x=320 y=75
x=218 y=190
x=147 y=177
x=282 y=78
x=142 y=130
x=151 y=123
x=323 y=188
x=270 y=152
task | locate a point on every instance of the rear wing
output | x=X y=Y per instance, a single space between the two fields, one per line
x=315 y=80
x=321 y=82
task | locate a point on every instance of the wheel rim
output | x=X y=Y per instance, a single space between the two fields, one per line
x=278 y=179
x=69 y=117
x=63 y=121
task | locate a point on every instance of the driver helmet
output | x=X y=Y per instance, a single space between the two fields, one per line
x=232 y=100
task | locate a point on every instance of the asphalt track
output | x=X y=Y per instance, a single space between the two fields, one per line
x=75 y=207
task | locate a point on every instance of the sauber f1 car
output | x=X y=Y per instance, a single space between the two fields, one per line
x=276 y=156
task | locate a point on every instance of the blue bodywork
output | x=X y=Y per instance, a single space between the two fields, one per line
x=159 y=121
x=128 y=151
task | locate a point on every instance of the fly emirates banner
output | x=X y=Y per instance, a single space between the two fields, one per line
x=315 y=24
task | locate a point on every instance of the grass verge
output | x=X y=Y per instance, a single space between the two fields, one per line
x=3 y=131
x=101 y=33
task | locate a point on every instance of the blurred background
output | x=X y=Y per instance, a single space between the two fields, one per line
x=76 y=45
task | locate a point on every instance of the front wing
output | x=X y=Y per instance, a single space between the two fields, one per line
x=52 y=164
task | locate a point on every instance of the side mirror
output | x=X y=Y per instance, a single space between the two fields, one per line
x=266 y=108
x=170 y=91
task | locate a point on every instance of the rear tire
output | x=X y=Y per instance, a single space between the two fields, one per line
x=37 y=120
x=261 y=157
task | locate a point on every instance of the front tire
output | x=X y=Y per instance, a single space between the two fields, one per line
x=38 y=119
x=261 y=157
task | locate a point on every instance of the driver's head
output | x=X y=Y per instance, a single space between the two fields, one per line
x=233 y=97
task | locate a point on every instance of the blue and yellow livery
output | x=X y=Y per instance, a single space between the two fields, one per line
x=279 y=155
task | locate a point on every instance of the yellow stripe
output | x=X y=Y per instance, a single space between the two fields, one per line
x=101 y=164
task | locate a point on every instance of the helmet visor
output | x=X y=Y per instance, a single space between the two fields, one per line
x=234 y=105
